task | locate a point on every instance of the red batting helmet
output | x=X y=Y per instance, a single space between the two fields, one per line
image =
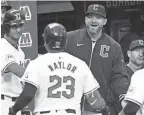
x=13 y=17
x=55 y=36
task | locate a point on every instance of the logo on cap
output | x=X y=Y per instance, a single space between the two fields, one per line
x=17 y=15
x=141 y=42
x=95 y=7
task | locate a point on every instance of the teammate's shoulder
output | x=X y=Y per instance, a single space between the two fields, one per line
x=110 y=38
x=112 y=42
x=43 y=58
x=138 y=74
x=75 y=32
x=39 y=55
x=75 y=36
x=76 y=60
x=3 y=41
x=5 y=45
x=33 y=63
x=39 y=58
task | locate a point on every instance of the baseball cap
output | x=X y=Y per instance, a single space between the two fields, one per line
x=136 y=43
x=5 y=4
x=96 y=8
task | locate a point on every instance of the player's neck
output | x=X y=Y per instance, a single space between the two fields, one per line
x=133 y=67
x=13 y=42
x=95 y=36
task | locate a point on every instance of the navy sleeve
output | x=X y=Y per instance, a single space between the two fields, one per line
x=131 y=108
x=119 y=76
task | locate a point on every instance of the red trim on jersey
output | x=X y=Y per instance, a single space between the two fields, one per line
x=134 y=101
x=3 y=70
x=121 y=97
x=30 y=82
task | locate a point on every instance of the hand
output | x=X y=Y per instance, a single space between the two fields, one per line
x=106 y=111
x=11 y=112
x=26 y=112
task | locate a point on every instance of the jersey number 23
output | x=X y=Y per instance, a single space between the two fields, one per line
x=60 y=81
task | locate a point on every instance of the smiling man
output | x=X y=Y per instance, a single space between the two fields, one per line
x=102 y=54
x=136 y=56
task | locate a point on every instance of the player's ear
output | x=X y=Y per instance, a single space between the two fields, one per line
x=104 y=21
x=129 y=53
x=86 y=20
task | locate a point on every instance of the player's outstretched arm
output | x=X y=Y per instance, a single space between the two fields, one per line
x=96 y=101
x=16 y=69
x=119 y=82
x=10 y=65
x=25 y=98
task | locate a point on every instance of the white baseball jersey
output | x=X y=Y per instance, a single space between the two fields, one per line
x=61 y=79
x=135 y=92
x=10 y=83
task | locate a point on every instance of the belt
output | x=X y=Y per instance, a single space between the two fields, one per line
x=3 y=97
x=67 y=110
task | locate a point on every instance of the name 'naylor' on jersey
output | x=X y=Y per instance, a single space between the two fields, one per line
x=62 y=65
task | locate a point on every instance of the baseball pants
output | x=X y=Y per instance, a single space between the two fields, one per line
x=59 y=112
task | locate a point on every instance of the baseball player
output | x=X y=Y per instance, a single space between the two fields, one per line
x=136 y=57
x=4 y=7
x=133 y=103
x=11 y=59
x=58 y=79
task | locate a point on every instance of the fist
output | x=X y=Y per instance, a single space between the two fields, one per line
x=11 y=112
x=26 y=112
